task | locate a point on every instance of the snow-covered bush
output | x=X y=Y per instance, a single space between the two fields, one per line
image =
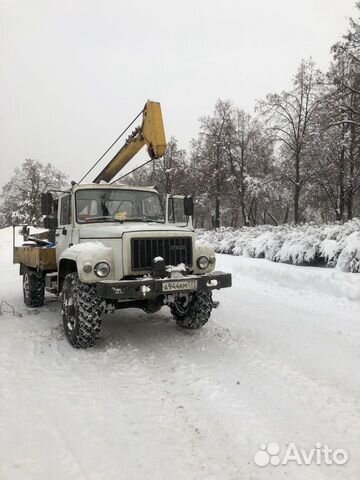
x=349 y=258
x=309 y=244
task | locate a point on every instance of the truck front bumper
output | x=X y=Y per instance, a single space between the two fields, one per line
x=148 y=287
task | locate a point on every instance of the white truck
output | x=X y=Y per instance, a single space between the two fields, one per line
x=112 y=246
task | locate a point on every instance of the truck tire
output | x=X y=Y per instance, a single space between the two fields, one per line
x=33 y=287
x=197 y=312
x=81 y=312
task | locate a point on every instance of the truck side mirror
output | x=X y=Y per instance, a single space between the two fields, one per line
x=50 y=223
x=188 y=206
x=46 y=203
x=25 y=231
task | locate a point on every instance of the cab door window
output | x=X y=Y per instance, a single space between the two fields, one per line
x=176 y=210
x=65 y=211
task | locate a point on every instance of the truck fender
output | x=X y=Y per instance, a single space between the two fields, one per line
x=206 y=250
x=74 y=258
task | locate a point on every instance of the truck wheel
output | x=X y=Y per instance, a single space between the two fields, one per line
x=81 y=312
x=197 y=312
x=33 y=288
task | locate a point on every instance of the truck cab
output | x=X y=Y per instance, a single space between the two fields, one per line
x=131 y=221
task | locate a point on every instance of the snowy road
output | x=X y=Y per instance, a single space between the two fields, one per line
x=278 y=362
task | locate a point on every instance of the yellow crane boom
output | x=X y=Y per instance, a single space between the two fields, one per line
x=150 y=133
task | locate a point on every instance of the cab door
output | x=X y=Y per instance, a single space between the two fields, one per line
x=63 y=235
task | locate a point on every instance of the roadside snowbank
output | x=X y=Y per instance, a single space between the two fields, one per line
x=321 y=245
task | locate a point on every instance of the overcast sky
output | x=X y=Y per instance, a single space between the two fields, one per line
x=75 y=72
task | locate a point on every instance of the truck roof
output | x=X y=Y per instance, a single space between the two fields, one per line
x=86 y=186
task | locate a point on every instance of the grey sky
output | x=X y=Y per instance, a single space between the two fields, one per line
x=75 y=72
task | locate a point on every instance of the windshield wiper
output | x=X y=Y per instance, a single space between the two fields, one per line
x=142 y=219
x=105 y=218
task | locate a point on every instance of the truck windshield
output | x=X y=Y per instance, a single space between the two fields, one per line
x=115 y=205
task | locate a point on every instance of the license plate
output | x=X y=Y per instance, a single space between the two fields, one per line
x=179 y=285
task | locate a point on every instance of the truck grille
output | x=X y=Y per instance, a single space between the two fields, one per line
x=172 y=250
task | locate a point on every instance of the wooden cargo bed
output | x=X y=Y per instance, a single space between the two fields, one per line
x=42 y=258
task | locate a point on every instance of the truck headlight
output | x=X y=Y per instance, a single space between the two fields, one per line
x=102 y=269
x=202 y=262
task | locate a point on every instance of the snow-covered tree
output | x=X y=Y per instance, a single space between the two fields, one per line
x=168 y=174
x=290 y=116
x=21 y=195
x=209 y=164
x=249 y=154
x=345 y=77
x=2 y=220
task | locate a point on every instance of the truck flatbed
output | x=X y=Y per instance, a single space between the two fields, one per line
x=42 y=258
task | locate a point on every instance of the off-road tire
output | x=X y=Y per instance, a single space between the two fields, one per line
x=81 y=312
x=197 y=313
x=33 y=287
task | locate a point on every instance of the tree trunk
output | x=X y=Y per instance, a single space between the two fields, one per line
x=244 y=215
x=349 y=183
x=276 y=223
x=342 y=193
x=297 y=188
x=217 y=212
x=286 y=216
x=296 y=204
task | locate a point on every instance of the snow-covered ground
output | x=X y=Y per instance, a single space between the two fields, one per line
x=278 y=362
